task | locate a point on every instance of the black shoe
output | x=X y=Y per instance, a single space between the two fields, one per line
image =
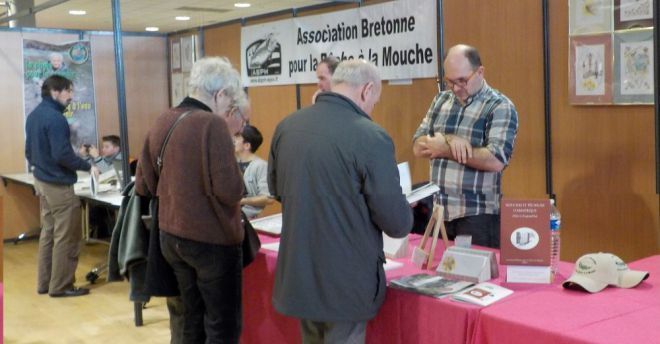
x=71 y=292
x=41 y=292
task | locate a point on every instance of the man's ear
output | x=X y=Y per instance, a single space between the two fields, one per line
x=366 y=91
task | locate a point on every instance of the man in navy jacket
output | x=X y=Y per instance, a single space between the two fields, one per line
x=49 y=152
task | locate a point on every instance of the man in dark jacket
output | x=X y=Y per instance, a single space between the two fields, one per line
x=334 y=171
x=48 y=150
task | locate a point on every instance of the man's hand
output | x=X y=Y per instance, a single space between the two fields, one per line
x=431 y=147
x=82 y=151
x=460 y=148
x=94 y=152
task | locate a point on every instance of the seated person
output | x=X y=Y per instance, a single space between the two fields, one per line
x=255 y=171
x=110 y=151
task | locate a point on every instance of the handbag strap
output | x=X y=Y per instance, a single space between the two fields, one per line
x=159 y=161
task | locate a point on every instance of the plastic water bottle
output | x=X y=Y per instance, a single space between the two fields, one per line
x=555 y=245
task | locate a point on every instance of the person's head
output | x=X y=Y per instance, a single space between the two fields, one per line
x=324 y=72
x=238 y=115
x=214 y=82
x=56 y=60
x=248 y=140
x=359 y=81
x=464 y=73
x=59 y=88
x=110 y=145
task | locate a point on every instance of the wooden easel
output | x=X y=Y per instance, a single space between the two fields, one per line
x=421 y=256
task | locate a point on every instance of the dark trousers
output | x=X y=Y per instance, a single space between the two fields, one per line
x=209 y=278
x=333 y=332
x=484 y=229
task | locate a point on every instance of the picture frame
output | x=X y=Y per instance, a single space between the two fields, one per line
x=633 y=67
x=187 y=53
x=176 y=56
x=178 y=89
x=590 y=68
x=590 y=16
x=633 y=14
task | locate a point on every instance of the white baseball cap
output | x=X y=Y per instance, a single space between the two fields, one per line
x=627 y=278
x=593 y=272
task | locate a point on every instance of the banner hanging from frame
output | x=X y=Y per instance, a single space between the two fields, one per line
x=399 y=37
x=74 y=62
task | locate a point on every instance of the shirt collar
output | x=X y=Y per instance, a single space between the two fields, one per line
x=54 y=103
x=189 y=102
x=337 y=98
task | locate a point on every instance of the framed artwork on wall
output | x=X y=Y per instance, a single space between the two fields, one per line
x=590 y=76
x=187 y=53
x=590 y=16
x=633 y=67
x=632 y=14
x=176 y=55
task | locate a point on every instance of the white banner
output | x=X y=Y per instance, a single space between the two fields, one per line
x=399 y=37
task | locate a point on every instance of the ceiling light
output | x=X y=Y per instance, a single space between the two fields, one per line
x=182 y=18
x=77 y=12
x=151 y=28
x=242 y=4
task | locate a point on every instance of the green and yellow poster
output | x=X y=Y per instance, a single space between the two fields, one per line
x=73 y=61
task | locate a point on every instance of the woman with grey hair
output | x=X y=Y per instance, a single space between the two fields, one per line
x=199 y=188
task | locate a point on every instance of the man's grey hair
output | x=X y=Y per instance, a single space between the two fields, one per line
x=212 y=74
x=356 y=73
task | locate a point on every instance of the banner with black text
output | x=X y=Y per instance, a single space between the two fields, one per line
x=399 y=37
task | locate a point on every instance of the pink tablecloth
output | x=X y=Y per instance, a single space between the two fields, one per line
x=555 y=315
x=404 y=318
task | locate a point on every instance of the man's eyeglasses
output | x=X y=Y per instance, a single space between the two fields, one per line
x=234 y=111
x=461 y=82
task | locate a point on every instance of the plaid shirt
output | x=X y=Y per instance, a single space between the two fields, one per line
x=488 y=119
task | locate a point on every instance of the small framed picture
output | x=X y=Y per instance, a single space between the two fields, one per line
x=633 y=14
x=590 y=68
x=590 y=16
x=633 y=67
x=187 y=53
x=176 y=55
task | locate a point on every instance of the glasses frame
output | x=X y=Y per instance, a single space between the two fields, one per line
x=461 y=82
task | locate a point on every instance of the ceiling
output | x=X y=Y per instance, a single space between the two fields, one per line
x=136 y=15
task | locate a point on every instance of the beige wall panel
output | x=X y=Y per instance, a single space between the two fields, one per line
x=12 y=137
x=508 y=35
x=146 y=85
x=603 y=166
x=224 y=41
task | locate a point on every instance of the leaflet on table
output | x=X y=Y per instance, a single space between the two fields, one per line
x=482 y=294
x=430 y=285
x=270 y=224
x=422 y=192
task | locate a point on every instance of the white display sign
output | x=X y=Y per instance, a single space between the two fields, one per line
x=399 y=37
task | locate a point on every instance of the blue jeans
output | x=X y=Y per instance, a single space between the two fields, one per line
x=484 y=229
x=209 y=278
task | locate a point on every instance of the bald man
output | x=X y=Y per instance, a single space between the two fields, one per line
x=334 y=171
x=468 y=134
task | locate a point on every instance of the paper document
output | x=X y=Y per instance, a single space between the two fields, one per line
x=422 y=192
x=269 y=224
x=483 y=294
x=391 y=264
x=430 y=285
x=273 y=246
x=404 y=178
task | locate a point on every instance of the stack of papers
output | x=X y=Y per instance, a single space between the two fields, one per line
x=269 y=224
x=430 y=285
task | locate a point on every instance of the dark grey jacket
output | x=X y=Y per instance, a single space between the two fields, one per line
x=335 y=173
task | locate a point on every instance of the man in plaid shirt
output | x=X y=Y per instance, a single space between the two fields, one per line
x=468 y=133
